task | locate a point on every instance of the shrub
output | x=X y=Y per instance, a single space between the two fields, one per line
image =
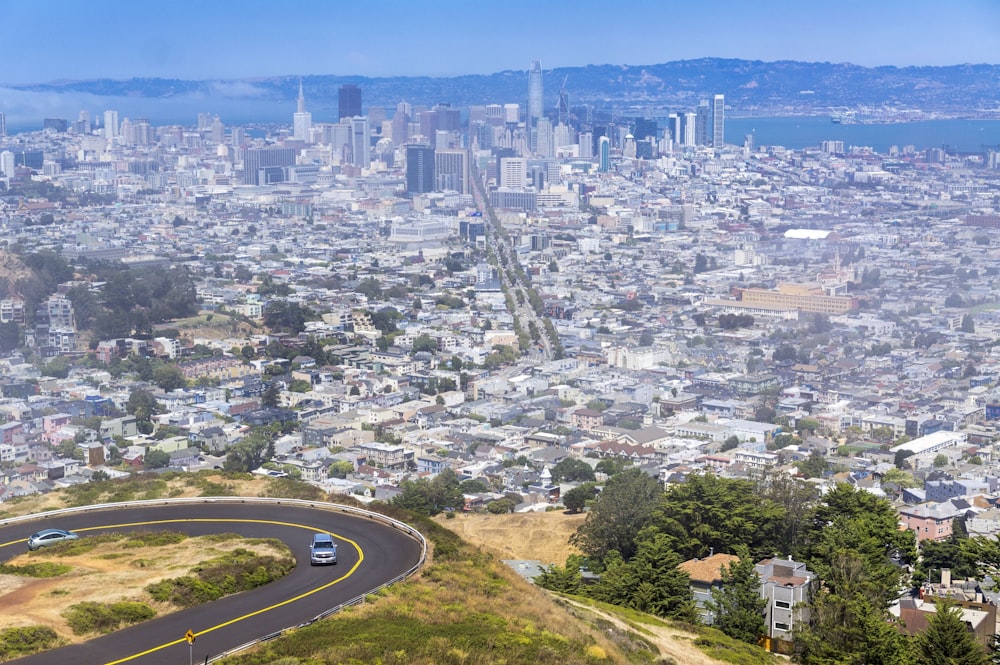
x=26 y=640
x=239 y=570
x=89 y=617
x=40 y=569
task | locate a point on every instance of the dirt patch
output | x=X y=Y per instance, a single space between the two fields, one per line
x=541 y=536
x=672 y=642
x=107 y=574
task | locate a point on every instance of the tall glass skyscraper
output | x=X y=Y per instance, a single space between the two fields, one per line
x=349 y=101
x=535 y=107
x=718 y=121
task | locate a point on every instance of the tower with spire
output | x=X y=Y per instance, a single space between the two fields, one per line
x=302 y=120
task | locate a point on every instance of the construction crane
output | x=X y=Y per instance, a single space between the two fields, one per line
x=563 y=108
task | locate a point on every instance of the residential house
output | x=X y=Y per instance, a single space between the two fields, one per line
x=705 y=575
x=786 y=585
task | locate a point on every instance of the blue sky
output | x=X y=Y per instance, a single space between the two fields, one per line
x=63 y=39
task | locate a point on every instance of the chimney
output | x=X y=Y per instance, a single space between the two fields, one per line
x=946 y=577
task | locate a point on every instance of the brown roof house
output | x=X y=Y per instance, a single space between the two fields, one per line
x=706 y=574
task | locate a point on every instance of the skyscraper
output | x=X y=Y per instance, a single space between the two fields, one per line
x=690 y=133
x=111 y=126
x=302 y=120
x=605 y=155
x=544 y=140
x=3 y=124
x=360 y=142
x=419 y=169
x=451 y=170
x=718 y=121
x=703 y=127
x=535 y=108
x=349 y=101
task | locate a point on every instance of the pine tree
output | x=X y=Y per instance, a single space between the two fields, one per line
x=947 y=640
x=738 y=607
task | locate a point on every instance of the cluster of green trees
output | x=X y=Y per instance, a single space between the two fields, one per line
x=131 y=302
x=636 y=534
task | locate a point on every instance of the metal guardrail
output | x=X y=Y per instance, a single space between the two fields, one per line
x=320 y=505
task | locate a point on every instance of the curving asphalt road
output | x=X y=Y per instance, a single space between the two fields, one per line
x=370 y=553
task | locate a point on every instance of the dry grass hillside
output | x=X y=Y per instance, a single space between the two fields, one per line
x=541 y=536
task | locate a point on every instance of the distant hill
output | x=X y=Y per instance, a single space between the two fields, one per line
x=750 y=86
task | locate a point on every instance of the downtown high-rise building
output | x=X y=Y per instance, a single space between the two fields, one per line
x=302 y=120
x=689 y=133
x=544 y=138
x=536 y=107
x=349 y=101
x=419 y=169
x=718 y=121
x=217 y=131
x=111 y=125
x=360 y=142
x=604 y=154
x=513 y=172
x=451 y=170
x=3 y=124
x=703 y=125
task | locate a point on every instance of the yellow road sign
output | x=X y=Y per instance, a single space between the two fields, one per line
x=189 y=636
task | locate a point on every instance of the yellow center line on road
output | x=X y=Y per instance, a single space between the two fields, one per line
x=361 y=557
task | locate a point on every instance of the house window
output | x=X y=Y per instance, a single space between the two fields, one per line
x=781 y=626
x=783 y=604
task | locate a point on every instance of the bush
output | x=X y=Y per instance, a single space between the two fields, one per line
x=84 y=618
x=239 y=570
x=40 y=569
x=26 y=640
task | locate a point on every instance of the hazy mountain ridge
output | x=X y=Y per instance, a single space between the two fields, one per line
x=748 y=85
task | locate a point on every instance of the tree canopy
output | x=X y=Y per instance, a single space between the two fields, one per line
x=616 y=516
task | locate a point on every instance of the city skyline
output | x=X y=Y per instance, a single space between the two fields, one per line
x=443 y=40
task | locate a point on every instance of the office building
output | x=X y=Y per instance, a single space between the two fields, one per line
x=451 y=170
x=511 y=113
x=55 y=124
x=256 y=161
x=535 y=105
x=673 y=131
x=448 y=118
x=82 y=123
x=111 y=127
x=513 y=172
x=703 y=123
x=217 y=131
x=586 y=143
x=605 y=154
x=237 y=137
x=562 y=136
x=360 y=142
x=7 y=164
x=419 y=169
x=718 y=121
x=349 y=101
x=544 y=140
x=302 y=120
x=494 y=114
x=689 y=134
x=3 y=124
x=401 y=123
